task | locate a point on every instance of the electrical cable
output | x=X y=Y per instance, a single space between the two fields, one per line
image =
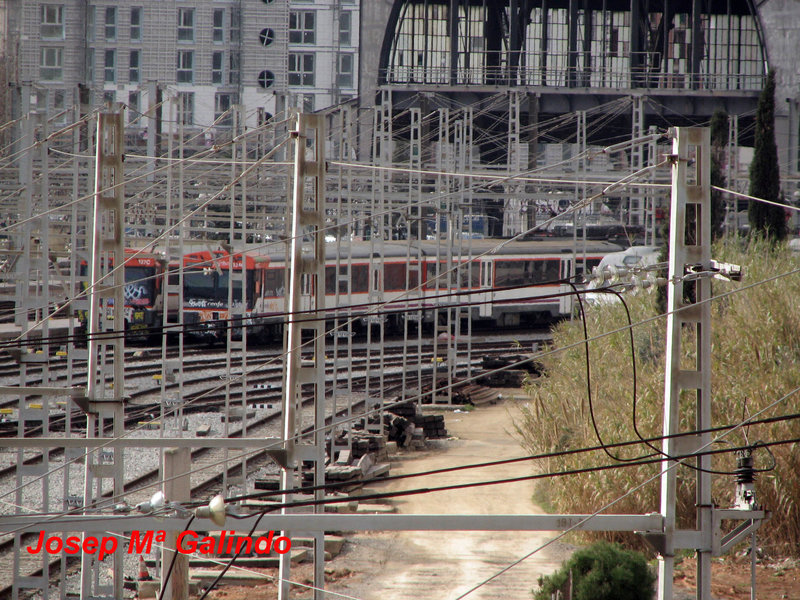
x=589 y=385
x=536 y=476
x=608 y=505
x=175 y=554
x=658 y=450
x=658 y=316
x=333 y=485
x=299 y=316
x=753 y=198
x=230 y=563
x=513 y=365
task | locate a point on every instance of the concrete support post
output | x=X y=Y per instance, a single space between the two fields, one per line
x=105 y=382
x=177 y=465
x=690 y=243
x=306 y=278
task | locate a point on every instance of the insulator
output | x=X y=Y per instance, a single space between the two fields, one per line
x=745 y=477
x=744 y=467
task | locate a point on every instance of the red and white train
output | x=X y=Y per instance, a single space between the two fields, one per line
x=506 y=283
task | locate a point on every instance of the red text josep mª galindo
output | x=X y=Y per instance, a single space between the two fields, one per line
x=141 y=542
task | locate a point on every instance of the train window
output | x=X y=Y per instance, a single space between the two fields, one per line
x=394 y=277
x=330 y=280
x=197 y=284
x=526 y=272
x=274 y=283
x=360 y=281
x=470 y=273
x=449 y=277
x=591 y=263
x=222 y=287
x=139 y=286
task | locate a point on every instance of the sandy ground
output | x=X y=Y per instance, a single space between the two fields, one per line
x=444 y=565
x=403 y=565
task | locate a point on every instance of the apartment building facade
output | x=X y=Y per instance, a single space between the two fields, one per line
x=206 y=54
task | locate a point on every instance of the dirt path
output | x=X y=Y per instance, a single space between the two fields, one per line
x=442 y=565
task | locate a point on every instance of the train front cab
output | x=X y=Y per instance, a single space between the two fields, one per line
x=206 y=282
x=143 y=299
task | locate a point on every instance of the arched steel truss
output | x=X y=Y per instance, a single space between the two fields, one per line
x=618 y=44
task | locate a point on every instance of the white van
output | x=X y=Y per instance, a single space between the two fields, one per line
x=635 y=256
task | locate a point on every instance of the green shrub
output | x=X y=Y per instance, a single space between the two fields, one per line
x=602 y=571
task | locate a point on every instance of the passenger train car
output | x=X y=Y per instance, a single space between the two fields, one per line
x=142 y=292
x=219 y=289
x=505 y=283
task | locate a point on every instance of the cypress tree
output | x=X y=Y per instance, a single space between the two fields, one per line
x=766 y=219
x=719 y=141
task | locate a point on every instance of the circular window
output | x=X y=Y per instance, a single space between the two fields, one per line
x=267 y=36
x=267 y=1
x=266 y=79
x=266 y=117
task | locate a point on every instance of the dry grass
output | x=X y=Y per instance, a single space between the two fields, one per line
x=756 y=353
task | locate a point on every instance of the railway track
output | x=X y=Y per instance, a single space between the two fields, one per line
x=208 y=462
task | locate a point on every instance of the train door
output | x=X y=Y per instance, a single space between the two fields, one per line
x=566 y=299
x=485 y=307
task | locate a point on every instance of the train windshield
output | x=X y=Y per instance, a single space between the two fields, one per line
x=206 y=288
x=140 y=286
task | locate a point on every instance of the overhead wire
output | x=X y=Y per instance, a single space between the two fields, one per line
x=510 y=366
x=500 y=179
x=306 y=433
x=668 y=467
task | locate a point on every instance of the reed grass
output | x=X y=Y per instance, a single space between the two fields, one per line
x=755 y=361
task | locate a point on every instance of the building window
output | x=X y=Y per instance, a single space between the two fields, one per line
x=60 y=107
x=185 y=66
x=185 y=24
x=222 y=104
x=134 y=110
x=219 y=26
x=186 y=108
x=111 y=23
x=345 y=25
x=52 y=64
x=109 y=97
x=136 y=23
x=234 y=72
x=217 y=60
x=301 y=27
x=133 y=71
x=266 y=79
x=110 y=75
x=301 y=68
x=52 y=22
x=89 y=66
x=236 y=25
x=305 y=102
x=345 y=75
x=266 y=37
x=91 y=12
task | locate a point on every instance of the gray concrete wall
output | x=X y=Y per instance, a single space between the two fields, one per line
x=372 y=27
x=780 y=20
